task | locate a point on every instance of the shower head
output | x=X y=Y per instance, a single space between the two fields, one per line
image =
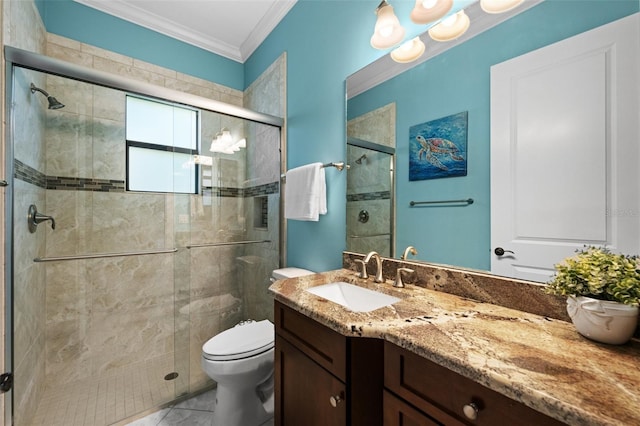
x=362 y=157
x=53 y=102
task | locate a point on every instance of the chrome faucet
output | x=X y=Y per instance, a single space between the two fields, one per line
x=375 y=255
x=409 y=250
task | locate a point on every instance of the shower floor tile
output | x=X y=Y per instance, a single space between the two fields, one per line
x=108 y=398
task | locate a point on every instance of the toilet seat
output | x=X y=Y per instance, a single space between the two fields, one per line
x=242 y=341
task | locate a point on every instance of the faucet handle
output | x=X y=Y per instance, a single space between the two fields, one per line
x=363 y=269
x=398 y=282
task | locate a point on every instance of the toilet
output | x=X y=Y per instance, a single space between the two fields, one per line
x=241 y=361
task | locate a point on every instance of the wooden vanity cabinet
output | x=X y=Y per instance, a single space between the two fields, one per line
x=420 y=392
x=323 y=378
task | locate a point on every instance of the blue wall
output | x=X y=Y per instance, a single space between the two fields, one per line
x=456 y=81
x=325 y=42
x=87 y=25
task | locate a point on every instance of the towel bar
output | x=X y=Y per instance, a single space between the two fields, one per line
x=339 y=165
x=467 y=201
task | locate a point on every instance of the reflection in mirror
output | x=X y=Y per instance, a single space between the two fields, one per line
x=370 y=181
x=369 y=197
x=457 y=80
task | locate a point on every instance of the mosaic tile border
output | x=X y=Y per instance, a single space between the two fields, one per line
x=30 y=175
x=367 y=196
x=255 y=191
x=84 y=184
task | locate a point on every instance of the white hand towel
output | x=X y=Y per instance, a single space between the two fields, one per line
x=305 y=193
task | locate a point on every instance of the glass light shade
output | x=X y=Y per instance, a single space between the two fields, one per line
x=426 y=11
x=499 y=6
x=388 y=32
x=408 y=51
x=451 y=28
x=226 y=137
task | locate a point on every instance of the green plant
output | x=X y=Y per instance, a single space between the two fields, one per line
x=598 y=273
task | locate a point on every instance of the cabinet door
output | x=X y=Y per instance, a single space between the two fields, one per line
x=304 y=390
x=399 y=413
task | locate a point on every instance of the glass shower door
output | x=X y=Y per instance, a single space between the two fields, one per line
x=111 y=308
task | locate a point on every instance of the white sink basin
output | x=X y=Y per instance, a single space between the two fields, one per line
x=353 y=297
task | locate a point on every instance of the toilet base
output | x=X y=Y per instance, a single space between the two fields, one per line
x=239 y=408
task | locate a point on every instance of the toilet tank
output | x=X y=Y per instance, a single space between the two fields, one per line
x=291 y=272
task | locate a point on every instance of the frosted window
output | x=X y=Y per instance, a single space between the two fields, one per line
x=161 y=171
x=161 y=124
x=161 y=142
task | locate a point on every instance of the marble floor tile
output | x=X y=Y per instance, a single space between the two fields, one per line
x=179 y=416
x=206 y=401
x=152 y=419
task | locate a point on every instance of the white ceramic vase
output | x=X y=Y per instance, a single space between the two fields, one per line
x=603 y=321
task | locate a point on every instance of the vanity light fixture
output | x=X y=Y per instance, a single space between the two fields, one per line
x=426 y=11
x=223 y=143
x=450 y=28
x=499 y=6
x=388 y=32
x=408 y=51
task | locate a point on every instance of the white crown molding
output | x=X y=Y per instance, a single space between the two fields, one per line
x=272 y=18
x=138 y=16
x=386 y=68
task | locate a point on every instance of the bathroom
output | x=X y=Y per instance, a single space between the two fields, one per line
x=315 y=130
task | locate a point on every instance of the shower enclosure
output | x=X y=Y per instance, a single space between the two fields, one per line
x=109 y=310
x=370 y=192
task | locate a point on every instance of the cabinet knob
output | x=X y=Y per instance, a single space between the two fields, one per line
x=470 y=411
x=335 y=400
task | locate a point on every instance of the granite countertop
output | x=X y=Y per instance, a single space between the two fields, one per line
x=542 y=362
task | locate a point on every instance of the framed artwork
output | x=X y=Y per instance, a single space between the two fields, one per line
x=438 y=148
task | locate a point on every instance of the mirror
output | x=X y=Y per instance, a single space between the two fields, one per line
x=454 y=77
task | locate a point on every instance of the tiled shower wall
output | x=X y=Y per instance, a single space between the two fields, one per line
x=368 y=186
x=87 y=317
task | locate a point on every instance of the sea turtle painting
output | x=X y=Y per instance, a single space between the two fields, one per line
x=433 y=146
x=438 y=148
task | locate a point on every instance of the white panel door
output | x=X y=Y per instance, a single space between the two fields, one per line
x=564 y=150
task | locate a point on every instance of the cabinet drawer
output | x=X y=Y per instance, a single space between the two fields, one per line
x=399 y=413
x=442 y=393
x=321 y=344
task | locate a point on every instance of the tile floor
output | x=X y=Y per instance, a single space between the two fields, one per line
x=196 y=411
x=105 y=399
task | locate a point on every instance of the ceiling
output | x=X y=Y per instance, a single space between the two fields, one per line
x=229 y=28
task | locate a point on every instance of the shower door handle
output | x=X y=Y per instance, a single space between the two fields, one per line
x=6 y=382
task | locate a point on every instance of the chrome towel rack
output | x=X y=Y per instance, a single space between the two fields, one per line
x=229 y=243
x=101 y=255
x=467 y=202
x=141 y=253
x=340 y=165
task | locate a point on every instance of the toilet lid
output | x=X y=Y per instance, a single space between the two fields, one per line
x=241 y=341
